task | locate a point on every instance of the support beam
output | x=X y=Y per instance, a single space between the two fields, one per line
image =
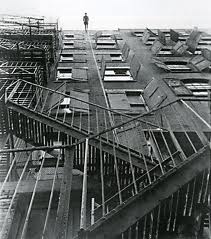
x=61 y=226
x=84 y=189
x=45 y=185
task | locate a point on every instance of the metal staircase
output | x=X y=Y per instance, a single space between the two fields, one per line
x=37 y=112
x=135 y=207
x=140 y=180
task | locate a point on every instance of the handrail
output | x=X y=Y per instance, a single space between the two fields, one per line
x=84 y=188
x=29 y=149
x=142 y=176
x=148 y=184
x=106 y=109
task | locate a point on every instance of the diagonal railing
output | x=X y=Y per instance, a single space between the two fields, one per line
x=172 y=150
x=80 y=118
x=156 y=149
x=85 y=119
x=64 y=106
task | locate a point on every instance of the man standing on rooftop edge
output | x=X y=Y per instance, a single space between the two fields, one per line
x=86 y=21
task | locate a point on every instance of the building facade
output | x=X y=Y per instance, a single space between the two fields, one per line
x=104 y=134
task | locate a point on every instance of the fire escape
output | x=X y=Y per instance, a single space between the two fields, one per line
x=137 y=192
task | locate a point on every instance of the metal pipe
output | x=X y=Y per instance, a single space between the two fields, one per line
x=43 y=148
x=117 y=173
x=84 y=189
x=92 y=211
x=102 y=178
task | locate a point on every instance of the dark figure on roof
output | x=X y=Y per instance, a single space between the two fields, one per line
x=86 y=21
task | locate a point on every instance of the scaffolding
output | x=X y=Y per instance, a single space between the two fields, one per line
x=28 y=47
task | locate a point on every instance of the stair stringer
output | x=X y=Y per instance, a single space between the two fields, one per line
x=93 y=141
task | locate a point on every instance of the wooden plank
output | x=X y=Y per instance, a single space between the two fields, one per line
x=73 y=52
x=174 y=35
x=153 y=34
x=160 y=64
x=125 y=50
x=106 y=57
x=180 y=48
x=79 y=44
x=118 y=101
x=193 y=40
x=199 y=63
x=135 y=66
x=203 y=65
x=79 y=74
x=108 y=52
x=77 y=104
x=146 y=36
x=156 y=46
x=162 y=37
x=64 y=199
x=103 y=67
x=79 y=58
x=83 y=218
x=206 y=53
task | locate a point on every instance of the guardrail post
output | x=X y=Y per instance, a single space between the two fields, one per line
x=84 y=189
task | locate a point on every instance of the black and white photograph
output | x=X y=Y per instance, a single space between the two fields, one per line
x=105 y=119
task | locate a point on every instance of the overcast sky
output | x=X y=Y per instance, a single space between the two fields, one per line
x=113 y=14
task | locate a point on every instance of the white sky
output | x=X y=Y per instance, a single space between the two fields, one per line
x=113 y=14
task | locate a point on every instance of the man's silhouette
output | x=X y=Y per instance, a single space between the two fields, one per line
x=86 y=21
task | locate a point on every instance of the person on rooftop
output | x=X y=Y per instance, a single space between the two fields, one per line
x=86 y=21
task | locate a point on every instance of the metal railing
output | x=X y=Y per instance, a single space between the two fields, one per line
x=148 y=146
